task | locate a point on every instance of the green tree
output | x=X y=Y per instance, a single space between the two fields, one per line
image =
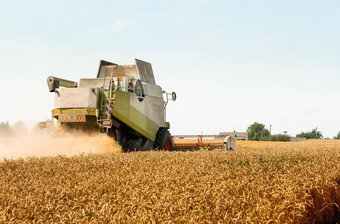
x=280 y=138
x=338 y=136
x=257 y=132
x=20 y=128
x=4 y=128
x=314 y=134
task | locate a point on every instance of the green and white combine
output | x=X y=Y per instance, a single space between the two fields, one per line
x=123 y=101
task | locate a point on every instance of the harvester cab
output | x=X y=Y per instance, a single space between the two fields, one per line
x=123 y=101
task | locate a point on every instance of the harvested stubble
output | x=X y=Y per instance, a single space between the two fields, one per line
x=285 y=183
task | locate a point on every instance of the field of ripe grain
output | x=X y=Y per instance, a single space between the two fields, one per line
x=258 y=183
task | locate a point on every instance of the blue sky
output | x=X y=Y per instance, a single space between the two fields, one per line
x=231 y=62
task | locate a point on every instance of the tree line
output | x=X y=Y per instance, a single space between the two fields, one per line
x=6 y=129
x=258 y=132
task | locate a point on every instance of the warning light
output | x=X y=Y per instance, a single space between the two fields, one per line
x=91 y=111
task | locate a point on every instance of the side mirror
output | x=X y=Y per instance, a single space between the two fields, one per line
x=174 y=96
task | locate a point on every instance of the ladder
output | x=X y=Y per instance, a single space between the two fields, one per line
x=104 y=119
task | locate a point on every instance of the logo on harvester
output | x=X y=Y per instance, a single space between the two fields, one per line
x=72 y=118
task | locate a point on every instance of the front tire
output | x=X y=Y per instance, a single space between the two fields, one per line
x=132 y=145
x=163 y=140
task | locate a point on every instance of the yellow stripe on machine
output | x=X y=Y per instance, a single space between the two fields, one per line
x=86 y=111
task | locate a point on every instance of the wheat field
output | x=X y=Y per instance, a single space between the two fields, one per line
x=258 y=183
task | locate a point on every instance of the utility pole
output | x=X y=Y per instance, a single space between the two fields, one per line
x=270 y=129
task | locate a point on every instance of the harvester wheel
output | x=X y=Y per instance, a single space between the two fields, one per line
x=119 y=135
x=132 y=145
x=163 y=140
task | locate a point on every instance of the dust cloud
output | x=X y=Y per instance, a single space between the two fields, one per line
x=43 y=143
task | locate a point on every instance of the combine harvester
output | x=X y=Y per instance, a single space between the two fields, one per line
x=123 y=101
